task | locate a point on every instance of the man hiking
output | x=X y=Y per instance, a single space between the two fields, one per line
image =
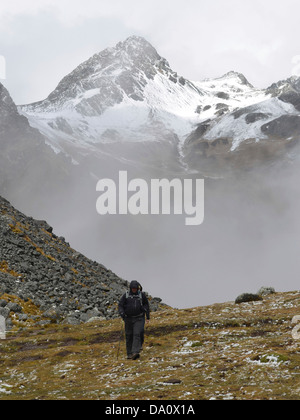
x=133 y=307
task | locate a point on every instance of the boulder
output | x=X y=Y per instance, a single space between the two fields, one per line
x=247 y=297
x=14 y=307
x=265 y=291
x=5 y=312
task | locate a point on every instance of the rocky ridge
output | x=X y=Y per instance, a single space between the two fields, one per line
x=43 y=280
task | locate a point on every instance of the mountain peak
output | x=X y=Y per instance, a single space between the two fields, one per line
x=236 y=75
x=106 y=79
x=134 y=40
x=139 y=48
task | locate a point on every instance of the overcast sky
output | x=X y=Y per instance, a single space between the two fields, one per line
x=43 y=40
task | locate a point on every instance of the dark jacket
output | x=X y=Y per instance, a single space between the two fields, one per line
x=135 y=305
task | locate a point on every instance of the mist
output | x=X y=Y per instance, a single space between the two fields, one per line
x=250 y=237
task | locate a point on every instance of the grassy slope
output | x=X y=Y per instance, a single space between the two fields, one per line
x=223 y=351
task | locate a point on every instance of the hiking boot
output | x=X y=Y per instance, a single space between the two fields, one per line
x=135 y=356
x=129 y=357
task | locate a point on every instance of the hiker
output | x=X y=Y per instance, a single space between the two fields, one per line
x=133 y=307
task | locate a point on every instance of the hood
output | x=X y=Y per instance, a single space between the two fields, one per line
x=134 y=285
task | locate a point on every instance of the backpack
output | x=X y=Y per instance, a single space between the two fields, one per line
x=134 y=303
x=133 y=297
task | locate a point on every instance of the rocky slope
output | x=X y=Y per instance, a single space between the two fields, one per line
x=219 y=352
x=43 y=280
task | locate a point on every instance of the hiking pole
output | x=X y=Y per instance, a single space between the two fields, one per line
x=121 y=335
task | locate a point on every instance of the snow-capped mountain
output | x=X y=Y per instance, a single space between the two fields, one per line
x=265 y=129
x=116 y=95
x=254 y=111
x=127 y=101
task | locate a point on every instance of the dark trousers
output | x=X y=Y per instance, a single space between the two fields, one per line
x=143 y=332
x=134 y=328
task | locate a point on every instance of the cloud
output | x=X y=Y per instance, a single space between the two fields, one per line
x=41 y=50
x=200 y=39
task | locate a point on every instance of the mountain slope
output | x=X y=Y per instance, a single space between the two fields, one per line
x=222 y=351
x=247 y=137
x=251 y=116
